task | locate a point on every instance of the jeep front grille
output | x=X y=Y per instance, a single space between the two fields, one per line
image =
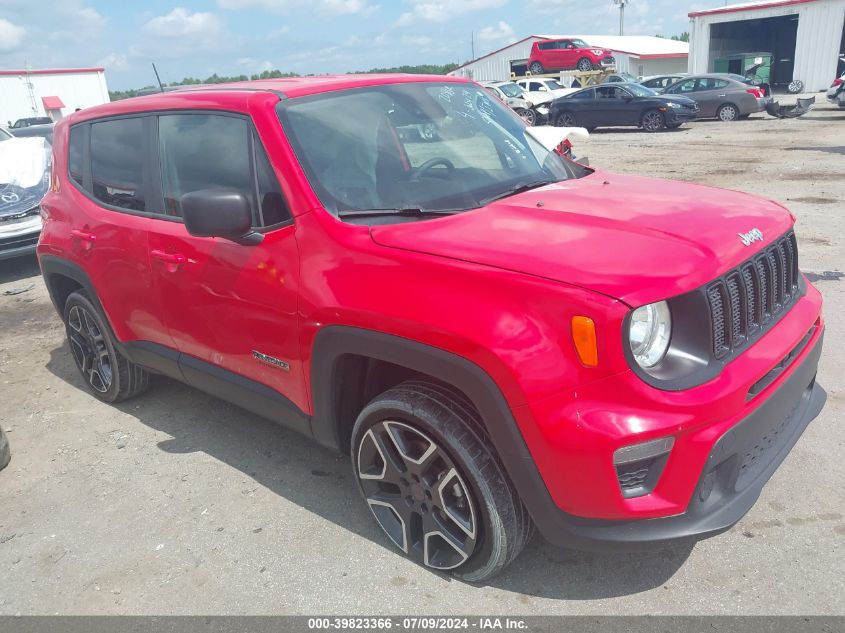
x=747 y=300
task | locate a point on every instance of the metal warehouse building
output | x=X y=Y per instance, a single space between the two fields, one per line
x=804 y=37
x=52 y=92
x=639 y=55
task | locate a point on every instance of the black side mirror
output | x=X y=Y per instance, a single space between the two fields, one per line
x=219 y=213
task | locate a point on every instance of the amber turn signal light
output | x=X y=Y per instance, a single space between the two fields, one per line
x=584 y=337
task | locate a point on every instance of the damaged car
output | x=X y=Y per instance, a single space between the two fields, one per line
x=24 y=179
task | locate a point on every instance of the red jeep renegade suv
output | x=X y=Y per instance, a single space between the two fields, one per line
x=553 y=55
x=500 y=338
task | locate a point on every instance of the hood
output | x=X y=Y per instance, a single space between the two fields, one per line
x=634 y=239
x=24 y=175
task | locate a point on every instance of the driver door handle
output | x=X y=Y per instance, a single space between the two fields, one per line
x=172 y=261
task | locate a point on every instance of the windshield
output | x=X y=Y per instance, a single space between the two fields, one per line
x=438 y=147
x=640 y=91
x=580 y=44
x=511 y=90
x=551 y=84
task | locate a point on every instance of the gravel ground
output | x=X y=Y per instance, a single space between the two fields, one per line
x=177 y=503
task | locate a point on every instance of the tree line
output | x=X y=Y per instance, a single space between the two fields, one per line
x=423 y=69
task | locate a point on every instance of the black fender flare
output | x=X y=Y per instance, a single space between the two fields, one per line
x=58 y=266
x=333 y=342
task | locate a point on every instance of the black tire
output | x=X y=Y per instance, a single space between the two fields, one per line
x=796 y=86
x=653 y=121
x=566 y=119
x=728 y=113
x=454 y=510
x=107 y=373
x=5 y=451
x=536 y=68
x=584 y=65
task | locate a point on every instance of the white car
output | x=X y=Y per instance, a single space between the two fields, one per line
x=24 y=179
x=541 y=90
x=836 y=92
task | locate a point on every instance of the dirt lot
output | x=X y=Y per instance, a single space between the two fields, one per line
x=177 y=503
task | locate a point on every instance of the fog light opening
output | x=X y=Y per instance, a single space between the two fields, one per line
x=639 y=466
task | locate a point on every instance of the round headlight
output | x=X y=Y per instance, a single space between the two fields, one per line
x=650 y=333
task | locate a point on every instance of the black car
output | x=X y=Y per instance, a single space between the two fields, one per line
x=44 y=131
x=35 y=120
x=622 y=104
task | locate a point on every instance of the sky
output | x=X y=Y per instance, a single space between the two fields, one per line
x=232 y=37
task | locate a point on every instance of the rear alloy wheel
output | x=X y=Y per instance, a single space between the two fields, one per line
x=433 y=485
x=536 y=68
x=107 y=373
x=728 y=113
x=585 y=65
x=653 y=121
x=566 y=119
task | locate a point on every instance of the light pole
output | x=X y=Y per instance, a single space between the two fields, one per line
x=621 y=4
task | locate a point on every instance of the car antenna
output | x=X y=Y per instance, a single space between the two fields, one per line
x=158 y=79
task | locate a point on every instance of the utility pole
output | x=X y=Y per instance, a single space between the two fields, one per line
x=621 y=4
x=472 y=43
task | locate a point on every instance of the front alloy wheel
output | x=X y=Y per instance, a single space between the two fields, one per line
x=417 y=495
x=585 y=65
x=434 y=484
x=653 y=121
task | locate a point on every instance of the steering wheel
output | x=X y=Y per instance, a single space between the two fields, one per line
x=430 y=164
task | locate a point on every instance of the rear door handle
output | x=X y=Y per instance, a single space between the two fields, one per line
x=172 y=261
x=87 y=239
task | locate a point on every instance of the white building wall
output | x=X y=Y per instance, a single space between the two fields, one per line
x=76 y=90
x=820 y=27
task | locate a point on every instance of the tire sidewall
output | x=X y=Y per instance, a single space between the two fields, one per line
x=80 y=300
x=662 y=119
x=484 y=496
x=581 y=63
x=536 y=68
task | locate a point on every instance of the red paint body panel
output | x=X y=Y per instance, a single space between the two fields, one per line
x=565 y=58
x=497 y=286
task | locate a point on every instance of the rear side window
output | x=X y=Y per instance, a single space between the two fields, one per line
x=117 y=163
x=209 y=151
x=74 y=159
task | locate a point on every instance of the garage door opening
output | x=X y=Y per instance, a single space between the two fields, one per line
x=731 y=41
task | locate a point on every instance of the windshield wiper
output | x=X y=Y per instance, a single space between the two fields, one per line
x=409 y=212
x=517 y=190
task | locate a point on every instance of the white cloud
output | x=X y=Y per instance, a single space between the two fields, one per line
x=429 y=11
x=492 y=34
x=180 y=23
x=11 y=35
x=114 y=61
x=329 y=7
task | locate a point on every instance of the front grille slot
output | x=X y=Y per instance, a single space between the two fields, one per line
x=745 y=300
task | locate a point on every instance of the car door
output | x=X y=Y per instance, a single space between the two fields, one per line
x=228 y=306
x=612 y=108
x=567 y=54
x=708 y=95
x=109 y=165
x=583 y=105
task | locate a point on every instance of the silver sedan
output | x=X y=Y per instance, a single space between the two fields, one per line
x=721 y=96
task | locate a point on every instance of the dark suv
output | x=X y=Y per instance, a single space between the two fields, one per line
x=497 y=336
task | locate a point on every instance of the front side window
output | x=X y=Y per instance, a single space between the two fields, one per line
x=684 y=87
x=210 y=151
x=584 y=94
x=444 y=147
x=117 y=163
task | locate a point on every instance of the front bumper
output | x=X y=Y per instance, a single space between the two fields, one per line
x=20 y=236
x=608 y=62
x=737 y=467
x=674 y=115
